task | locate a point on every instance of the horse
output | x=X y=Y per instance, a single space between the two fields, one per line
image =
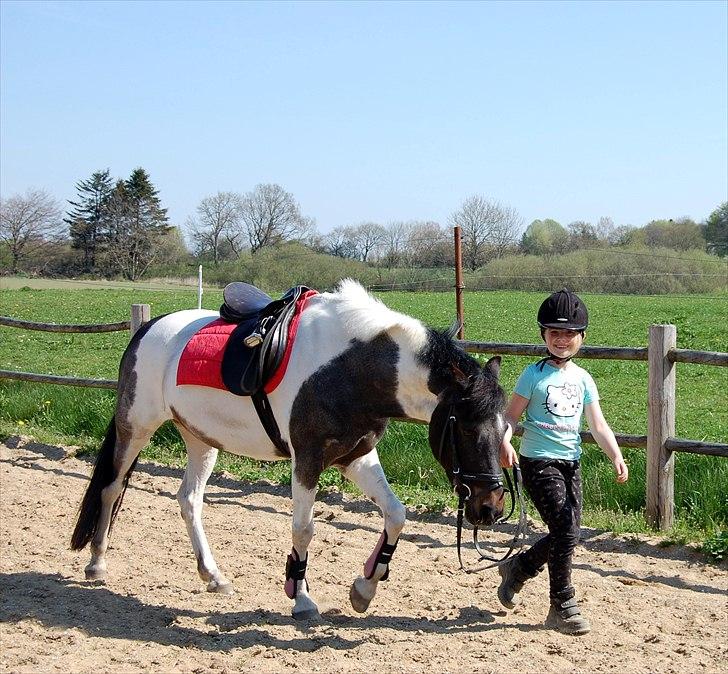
x=355 y=364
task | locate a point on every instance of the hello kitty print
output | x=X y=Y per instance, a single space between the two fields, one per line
x=563 y=401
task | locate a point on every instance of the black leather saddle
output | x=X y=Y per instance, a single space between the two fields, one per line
x=256 y=347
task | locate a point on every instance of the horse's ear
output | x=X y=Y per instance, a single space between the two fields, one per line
x=453 y=330
x=493 y=366
x=460 y=377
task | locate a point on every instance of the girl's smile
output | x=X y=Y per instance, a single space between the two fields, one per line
x=563 y=343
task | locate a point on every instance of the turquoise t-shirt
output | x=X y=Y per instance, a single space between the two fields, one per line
x=556 y=402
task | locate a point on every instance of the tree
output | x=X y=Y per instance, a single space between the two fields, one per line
x=620 y=235
x=135 y=222
x=488 y=229
x=368 y=238
x=396 y=243
x=86 y=218
x=544 y=237
x=340 y=242
x=582 y=235
x=605 y=229
x=680 y=234
x=715 y=230
x=171 y=248
x=28 y=224
x=218 y=225
x=429 y=245
x=271 y=215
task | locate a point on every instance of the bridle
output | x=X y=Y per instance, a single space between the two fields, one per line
x=462 y=482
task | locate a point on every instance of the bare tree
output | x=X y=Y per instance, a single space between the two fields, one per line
x=28 y=224
x=505 y=230
x=218 y=223
x=396 y=243
x=270 y=215
x=340 y=242
x=605 y=227
x=488 y=229
x=368 y=238
x=429 y=245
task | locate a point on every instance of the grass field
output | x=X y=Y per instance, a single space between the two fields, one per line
x=79 y=416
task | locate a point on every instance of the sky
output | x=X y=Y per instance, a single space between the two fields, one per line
x=375 y=111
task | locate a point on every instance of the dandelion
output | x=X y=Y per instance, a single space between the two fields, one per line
x=21 y=422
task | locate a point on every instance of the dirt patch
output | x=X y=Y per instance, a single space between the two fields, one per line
x=652 y=608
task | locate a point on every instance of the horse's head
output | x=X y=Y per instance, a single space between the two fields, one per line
x=466 y=430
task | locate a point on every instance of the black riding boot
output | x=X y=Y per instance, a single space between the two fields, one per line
x=513 y=575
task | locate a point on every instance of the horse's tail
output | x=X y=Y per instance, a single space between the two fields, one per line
x=91 y=505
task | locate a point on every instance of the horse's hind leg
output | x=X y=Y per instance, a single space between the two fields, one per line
x=200 y=462
x=366 y=472
x=125 y=453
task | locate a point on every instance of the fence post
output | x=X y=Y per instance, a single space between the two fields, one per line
x=660 y=426
x=139 y=316
x=459 y=281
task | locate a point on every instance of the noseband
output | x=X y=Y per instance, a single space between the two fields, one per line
x=462 y=483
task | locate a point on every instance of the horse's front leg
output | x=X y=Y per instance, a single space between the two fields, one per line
x=366 y=472
x=296 y=586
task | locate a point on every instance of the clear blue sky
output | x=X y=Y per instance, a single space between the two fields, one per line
x=375 y=111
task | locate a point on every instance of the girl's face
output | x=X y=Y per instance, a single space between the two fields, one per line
x=563 y=343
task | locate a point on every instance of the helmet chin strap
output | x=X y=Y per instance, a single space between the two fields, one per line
x=556 y=359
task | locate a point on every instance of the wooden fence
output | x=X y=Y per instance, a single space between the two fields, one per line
x=661 y=355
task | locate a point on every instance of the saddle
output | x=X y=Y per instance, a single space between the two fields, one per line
x=256 y=350
x=257 y=345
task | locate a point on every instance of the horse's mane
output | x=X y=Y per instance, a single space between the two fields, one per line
x=367 y=316
x=482 y=390
x=437 y=350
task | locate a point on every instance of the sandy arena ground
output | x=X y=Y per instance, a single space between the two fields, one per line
x=652 y=608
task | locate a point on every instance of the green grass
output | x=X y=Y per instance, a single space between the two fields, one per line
x=79 y=416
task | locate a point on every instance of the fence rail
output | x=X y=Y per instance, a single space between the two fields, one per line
x=58 y=327
x=661 y=356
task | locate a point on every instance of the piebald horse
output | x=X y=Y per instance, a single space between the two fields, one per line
x=354 y=365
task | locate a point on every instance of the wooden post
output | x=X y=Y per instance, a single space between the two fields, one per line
x=660 y=427
x=199 y=287
x=459 y=280
x=139 y=316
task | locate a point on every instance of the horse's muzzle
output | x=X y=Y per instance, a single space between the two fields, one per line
x=485 y=508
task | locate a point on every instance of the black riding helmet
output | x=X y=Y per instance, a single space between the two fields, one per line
x=563 y=310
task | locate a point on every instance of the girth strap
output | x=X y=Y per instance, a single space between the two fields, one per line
x=268 y=420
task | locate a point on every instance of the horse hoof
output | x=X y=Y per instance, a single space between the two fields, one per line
x=94 y=573
x=221 y=588
x=308 y=614
x=358 y=601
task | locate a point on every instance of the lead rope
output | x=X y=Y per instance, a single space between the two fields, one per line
x=519 y=537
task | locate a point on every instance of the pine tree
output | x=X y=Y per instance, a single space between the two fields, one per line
x=86 y=218
x=136 y=221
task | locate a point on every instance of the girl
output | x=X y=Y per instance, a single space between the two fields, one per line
x=554 y=393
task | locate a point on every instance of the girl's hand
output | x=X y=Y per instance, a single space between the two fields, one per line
x=620 y=467
x=508 y=455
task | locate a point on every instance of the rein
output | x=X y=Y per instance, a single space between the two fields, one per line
x=491 y=481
